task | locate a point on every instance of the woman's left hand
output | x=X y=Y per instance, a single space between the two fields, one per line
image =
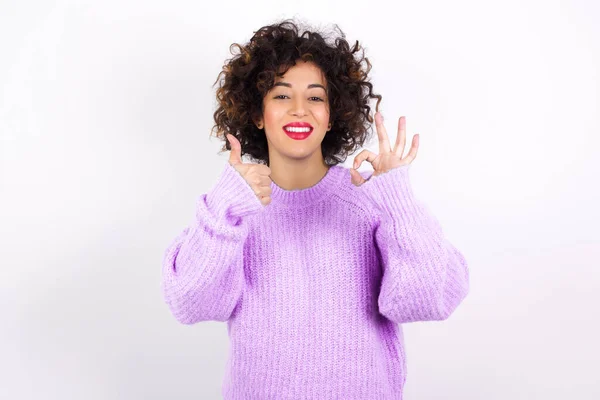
x=387 y=158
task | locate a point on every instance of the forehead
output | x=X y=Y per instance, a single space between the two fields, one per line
x=302 y=71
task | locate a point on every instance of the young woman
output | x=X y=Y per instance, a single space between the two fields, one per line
x=312 y=265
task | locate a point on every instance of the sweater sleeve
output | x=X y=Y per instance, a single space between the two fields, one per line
x=424 y=276
x=202 y=269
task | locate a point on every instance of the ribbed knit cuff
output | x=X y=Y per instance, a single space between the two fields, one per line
x=232 y=195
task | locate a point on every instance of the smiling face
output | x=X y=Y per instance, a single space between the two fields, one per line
x=299 y=96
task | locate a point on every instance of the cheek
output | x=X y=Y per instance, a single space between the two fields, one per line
x=271 y=121
x=272 y=115
x=323 y=115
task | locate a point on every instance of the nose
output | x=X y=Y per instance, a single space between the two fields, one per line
x=298 y=108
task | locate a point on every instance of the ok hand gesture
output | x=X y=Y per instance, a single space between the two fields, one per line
x=387 y=158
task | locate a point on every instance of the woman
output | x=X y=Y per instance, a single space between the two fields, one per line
x=312 y=265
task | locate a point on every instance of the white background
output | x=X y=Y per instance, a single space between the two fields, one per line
x=105 y=115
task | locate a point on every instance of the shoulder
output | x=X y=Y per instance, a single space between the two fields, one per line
x=351 y=196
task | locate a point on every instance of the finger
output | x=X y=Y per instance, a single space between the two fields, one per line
x=235 y=157
x=413 y=149
x=364 y=155
x=264 y=170
x=384 y=143
x=264 y=181
x=356 y=177
x=401 y=138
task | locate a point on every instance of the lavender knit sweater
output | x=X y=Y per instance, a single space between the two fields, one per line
x=314 y=285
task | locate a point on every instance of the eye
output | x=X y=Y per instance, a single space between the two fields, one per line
x=313 y=97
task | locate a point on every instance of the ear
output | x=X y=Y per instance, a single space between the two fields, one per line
x=258 y=122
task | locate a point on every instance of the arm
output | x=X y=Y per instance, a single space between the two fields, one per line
x=424 y=276
x=202 y=269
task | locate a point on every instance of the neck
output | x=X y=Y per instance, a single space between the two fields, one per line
x=297 y=174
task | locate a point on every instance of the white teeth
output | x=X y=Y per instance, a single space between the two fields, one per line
x=293 y=129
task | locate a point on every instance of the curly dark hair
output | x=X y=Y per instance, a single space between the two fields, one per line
x=250 y=74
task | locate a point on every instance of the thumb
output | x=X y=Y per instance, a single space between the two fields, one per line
x=356 y=177
x=235 y=157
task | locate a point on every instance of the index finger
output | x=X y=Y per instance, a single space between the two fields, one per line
x=384 y=143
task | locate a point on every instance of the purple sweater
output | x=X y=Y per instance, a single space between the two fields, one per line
x=314 y=285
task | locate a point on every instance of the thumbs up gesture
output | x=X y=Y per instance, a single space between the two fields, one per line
x=256 y=175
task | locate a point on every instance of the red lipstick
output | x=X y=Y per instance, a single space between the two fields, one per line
x=300 y=130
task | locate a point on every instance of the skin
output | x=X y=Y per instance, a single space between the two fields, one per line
x=299 y=164
x=388 y=158
x=296 y=164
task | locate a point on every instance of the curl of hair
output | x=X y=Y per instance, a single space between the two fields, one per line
x=272 y=50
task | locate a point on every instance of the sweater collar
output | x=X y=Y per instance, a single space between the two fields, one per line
x=304 y=197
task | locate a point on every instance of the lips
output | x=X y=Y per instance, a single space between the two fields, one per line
x=298 y=135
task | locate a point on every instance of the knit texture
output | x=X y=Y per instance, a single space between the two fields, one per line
x=314 y=286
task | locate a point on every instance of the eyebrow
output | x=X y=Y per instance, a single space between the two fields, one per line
x=312 y=85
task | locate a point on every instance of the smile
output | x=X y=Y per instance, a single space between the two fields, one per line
x=298 y=133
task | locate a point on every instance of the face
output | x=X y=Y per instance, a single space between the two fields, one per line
x=299 y=96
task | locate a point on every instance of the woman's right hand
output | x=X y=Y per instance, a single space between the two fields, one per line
x=256 y=175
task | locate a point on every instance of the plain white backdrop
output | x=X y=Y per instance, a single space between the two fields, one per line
x=105 y=114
